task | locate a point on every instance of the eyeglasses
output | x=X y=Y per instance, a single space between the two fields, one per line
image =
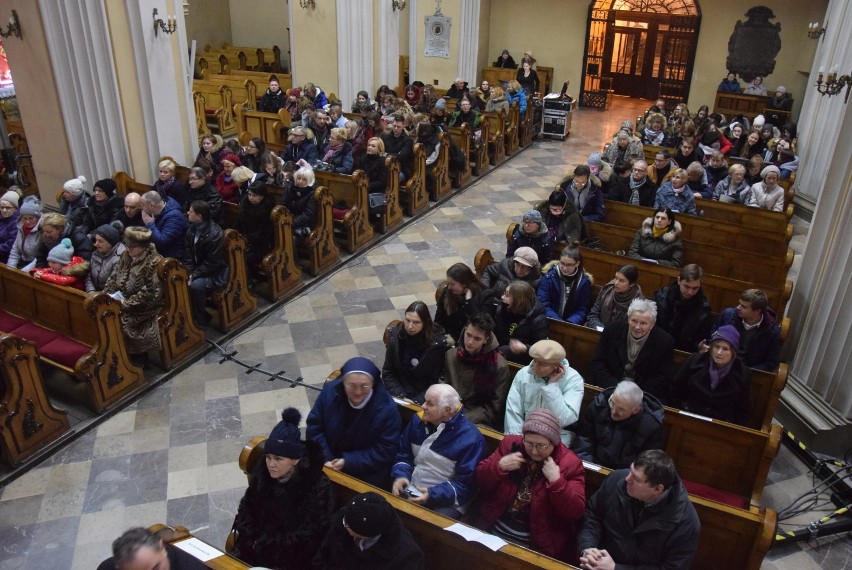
x=537 y=446
x=346 y=526
x=568 y=265
x=639 y=170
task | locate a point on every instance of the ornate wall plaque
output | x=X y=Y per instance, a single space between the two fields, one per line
x=754 y=44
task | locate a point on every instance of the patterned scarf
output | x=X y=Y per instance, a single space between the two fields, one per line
x=485 y=370
x=654 y=137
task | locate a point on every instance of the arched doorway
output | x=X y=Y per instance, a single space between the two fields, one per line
x=639 y=48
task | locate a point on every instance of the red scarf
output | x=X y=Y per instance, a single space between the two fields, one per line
x=485 y=373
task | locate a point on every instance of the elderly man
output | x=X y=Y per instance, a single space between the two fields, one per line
x=299 y=147
x=438 y=452
x=547 y=382
x=139 y=548
x=167 y=223
x=760 y=335
x=637 y=188
x=634 y=348
x=640 y=517
x=683 y=311
x=619 y=424
x=131 y=214
x=457 y=89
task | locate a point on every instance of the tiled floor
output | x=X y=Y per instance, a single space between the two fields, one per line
x=171 y=456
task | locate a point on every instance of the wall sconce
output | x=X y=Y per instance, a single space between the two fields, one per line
x=14 y=27
x=398 y=5
x=159 y=24
x=833 y=84
x=308 y=4
x=815 y=31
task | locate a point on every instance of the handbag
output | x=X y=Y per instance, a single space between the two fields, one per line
x=378 y=204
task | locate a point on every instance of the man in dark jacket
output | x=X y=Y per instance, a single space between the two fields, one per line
x=683 y=311
x=619 y=424
x=640 y=517
x=635 y=349
x=201 y=189
x=299 y=147
x=367 y=533
x=457 y=89
x=760 y=335
x=273 y=99
x=131 y=214
x=139 y=548
x=167 y=222
x=400 y=145
x=205 y=259
x=642 y=188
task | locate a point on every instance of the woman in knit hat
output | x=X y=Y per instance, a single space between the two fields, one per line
x=8 y=223
x=768 y=194
x=74 y=201
x=104 y=205
x=532 y=489
x=28 y=236
x=715 y=383
x=108 y=250
x=224 y=182
x=63 y=267
x=285 y=512
x=357 y=424
x=367 y=533
x=532 y=232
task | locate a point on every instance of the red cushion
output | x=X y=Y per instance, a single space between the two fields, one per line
x=66 y=351
x=339 y=213
x=717 y=495
x=35 y=334
x=9 y=322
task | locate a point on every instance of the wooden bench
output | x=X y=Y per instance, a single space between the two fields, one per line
x=353 y=228
x=512 y=137
x=174 y=534
x=496 y=136
x=243 y=89
x=268 y=126
x=733 y=104
x=412 y=194
x=499 y=75
x=438 y=173
x=318 y=251
x=180 y=339
x=778 y=222
x=77 y=333
x=234 y=303
x=28 y=420
x=715 y=260
x=393 y=213
x=581 y=343
x=268 y=58
x=461 y=138
x=526 y=131
x=213 y=102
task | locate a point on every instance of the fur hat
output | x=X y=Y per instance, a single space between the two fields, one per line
x=12 y=197
x=362 y=365
x=768 y=169
x=441 y=104
x=758 y=121
x=595 y=160
x=75 y=186
x=526 y=256
x=107 y=185
x=285 y=439
x=31 y=207
x=532 y=216
x=543 y=422
x=62 y=252
x=111 y=232
x=547 y=351
x=728 y=333
x=368 y=514
x=136 y=236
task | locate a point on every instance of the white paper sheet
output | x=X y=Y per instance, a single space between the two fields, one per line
x=473 y=535
x=198 y=549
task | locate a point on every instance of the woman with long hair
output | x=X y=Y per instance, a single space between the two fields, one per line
x=519 y=322
x=566 y=290
x=458 y=299
x=615 y=297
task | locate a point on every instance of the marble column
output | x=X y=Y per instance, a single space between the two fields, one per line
x=469 y=41
x=817 y=403
x=354 y=48
x=389 y=23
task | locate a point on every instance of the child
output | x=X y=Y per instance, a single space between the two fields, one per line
x=64 y=268
x=532 y=233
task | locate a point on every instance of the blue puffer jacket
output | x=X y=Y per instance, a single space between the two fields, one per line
x=520 y=97
x=169 y=229
x=460 y=442
x=366 y=439
x=683 y=202
x=551 y=293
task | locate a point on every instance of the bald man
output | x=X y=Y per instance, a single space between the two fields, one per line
x=131 y=215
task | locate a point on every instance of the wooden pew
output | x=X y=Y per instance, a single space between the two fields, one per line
x=581 y=343
x=393 y=214
x=498 y=75
x=526 y=131
x=280 y=265
x=180 y=339
x=496 y=136
x=261 y=78
x=318 y=251
x=438 y=174
x=511 y=136
x=777 y=222
x=243 y=89
x=354 y=228
x=75 y=332
x=268 y=126
x=265 y=60
x=715 y=260
x=214 y=102
x=412 y=194
x=479 y=156
x=174 y=534
x=743 y=238
x=234 y=303
x=461 y=137
x=733 y=104
x=28 y=420
x=245 y=58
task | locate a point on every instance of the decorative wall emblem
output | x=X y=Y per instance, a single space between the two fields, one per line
x=754 y=44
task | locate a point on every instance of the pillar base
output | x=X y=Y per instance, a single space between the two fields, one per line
x=816 y=424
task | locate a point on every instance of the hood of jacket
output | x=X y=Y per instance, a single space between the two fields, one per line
x=671 y=234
